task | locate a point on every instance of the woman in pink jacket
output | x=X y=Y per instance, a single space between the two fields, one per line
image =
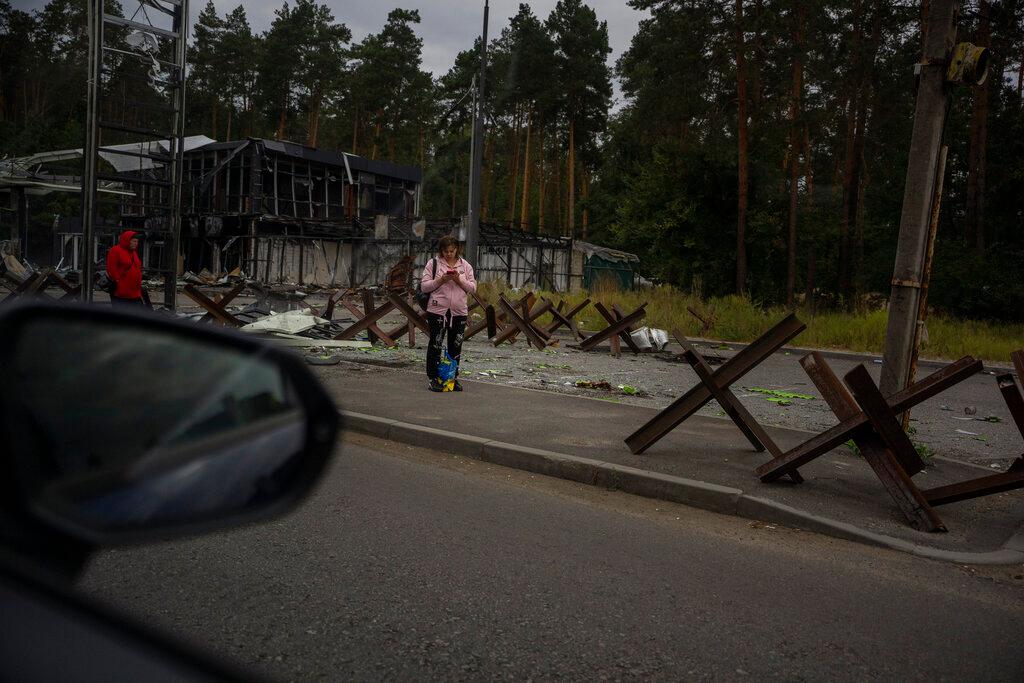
x=449 y=281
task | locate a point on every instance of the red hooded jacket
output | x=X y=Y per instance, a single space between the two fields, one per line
x=125 y=268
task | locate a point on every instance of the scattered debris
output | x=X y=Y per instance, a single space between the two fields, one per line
x=306 y=342
x=970 y=410
x=588 y=384
x=649 y=339
x=290 y=322
x=964 y=431
x=778 y=395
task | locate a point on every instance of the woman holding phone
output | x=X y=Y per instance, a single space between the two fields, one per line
x=448 y=279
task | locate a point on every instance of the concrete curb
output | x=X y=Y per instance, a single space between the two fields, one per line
x=698 y=494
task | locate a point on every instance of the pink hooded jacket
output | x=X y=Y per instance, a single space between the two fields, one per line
x=447 y=296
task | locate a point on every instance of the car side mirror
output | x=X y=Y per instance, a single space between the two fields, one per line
x=122 y=427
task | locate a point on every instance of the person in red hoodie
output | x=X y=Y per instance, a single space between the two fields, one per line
x=124 y=267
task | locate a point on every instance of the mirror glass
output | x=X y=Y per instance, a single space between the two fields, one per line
x=123 y=426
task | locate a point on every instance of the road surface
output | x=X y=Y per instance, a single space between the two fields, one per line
x=408 y=564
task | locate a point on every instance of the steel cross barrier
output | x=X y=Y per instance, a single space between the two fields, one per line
x=498 y=318
x=616 y=327
x=882 y=443
x=520 y=322
x=367 y=319
x=1013 y=478
x=222 y=300
x=737 y=412
x=614 y=318
x=511 y=331
x=413 y=319
x=373 y=331
x=215 y=309
x=567 y=319
x=822 y=443
x=35 y=284
x=728 y=373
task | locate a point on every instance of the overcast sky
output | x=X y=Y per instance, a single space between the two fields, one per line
x=447 y=27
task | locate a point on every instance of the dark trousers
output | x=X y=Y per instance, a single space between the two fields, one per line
x=118 y=301
x=453 y=330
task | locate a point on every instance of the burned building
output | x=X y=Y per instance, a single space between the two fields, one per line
x=281 y=212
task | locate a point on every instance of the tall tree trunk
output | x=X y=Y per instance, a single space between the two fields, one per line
x=754 y=66
x=455 y=184
x=741 y=136
x=570 y=222
x=513 y=177
x=809 y=233
x=214 y=110
x=281 y=116
x=355 y=133
x=421 y=148
x=376 y=136
x=977 y=162
x=558 y=195
x=794 y=154
x=524 y=216
x=488 y=181
x=314 y=118
x=585 y=193
x=850 y=165
x=541 y=182
x=231 y=110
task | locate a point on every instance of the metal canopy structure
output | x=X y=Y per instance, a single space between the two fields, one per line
x=135 y=122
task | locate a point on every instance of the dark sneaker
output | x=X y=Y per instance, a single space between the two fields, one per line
x=435 y=385
x=458 y=387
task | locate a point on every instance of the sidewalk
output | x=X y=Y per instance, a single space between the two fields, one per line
x=705 y=461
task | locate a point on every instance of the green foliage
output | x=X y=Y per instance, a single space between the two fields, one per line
x=659 y=175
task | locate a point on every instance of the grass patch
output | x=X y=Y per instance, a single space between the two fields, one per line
x=738 y=319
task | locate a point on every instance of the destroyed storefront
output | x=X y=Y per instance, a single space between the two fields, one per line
x=280 y=212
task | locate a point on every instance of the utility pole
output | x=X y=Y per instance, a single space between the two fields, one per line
x=933 y=97
x=94 y=14
x=473 y=232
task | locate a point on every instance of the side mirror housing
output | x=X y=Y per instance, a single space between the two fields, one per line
x=122 y=427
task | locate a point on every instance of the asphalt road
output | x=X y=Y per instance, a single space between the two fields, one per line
x=409 y=565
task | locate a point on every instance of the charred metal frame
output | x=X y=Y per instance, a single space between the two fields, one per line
x=155 y=198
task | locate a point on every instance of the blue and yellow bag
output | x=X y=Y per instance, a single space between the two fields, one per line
x=447 y=369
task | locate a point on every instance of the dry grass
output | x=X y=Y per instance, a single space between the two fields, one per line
x=740 y=320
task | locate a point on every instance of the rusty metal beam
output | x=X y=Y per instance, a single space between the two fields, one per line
x=223 y=300
x=732 y=370
x=510 y=332
x=613 y=329
x=373 y=331
x=567 y=319
x=1014 y=402
x=818 y=445
x=845 y=406
x=366 y=321
x=622 y=331
x=212 y=307
x=891 y=439
x=411 y=314
x=480 y=325
x=518 y=321
x=976 y=488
